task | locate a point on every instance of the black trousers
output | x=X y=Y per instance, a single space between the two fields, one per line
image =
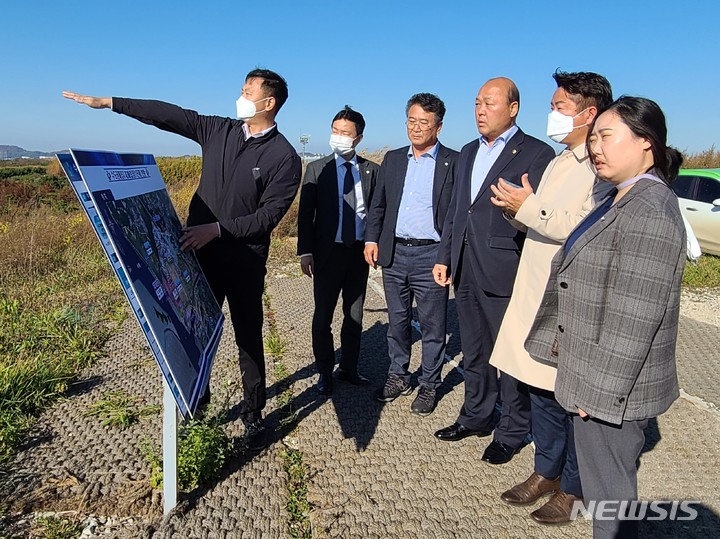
x=480 y=315
x=237 y=273
x=345 y=271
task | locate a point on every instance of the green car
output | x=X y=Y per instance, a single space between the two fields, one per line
x=698 y=192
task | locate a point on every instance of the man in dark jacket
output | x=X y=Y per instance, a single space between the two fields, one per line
x=404 y=228
x=250 y=174
x=336 y=192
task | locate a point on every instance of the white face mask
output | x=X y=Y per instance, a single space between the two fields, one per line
x=341 y=144
x=246 y=108
x=560 y=126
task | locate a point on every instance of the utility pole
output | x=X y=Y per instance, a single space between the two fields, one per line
x=304 y=139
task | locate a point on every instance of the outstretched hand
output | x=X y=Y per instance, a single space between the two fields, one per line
x=90 y=101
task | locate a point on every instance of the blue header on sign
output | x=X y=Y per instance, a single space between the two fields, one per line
x=104 y=159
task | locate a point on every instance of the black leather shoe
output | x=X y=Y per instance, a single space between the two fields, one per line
x=325 y=384
x=499 y=453
x=352 y=378
x=255 y=436
x=456 y=432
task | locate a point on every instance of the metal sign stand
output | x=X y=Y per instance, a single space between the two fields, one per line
x=170 y=432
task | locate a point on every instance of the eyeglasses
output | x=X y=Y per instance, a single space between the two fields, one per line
x=424 y=124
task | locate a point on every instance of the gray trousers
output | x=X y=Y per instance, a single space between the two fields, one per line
x=410 y=277
x=607 y=458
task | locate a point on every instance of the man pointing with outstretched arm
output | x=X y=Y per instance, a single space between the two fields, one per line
x=250 y=174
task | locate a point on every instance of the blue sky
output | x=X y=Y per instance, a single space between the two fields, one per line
x=370 y=55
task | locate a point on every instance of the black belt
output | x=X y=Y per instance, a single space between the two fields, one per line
x=412 y=242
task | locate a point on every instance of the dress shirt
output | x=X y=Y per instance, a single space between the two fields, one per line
x=415 y=214
x=360 y=209
x=485 y=159
x=259 y=134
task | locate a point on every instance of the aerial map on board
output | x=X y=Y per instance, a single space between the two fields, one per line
x=127 y=203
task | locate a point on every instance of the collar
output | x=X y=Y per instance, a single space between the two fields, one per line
x=262 y=133
x=580 y=152
x=432 y=152
x=645 y=176
x=340 y=160
x=507 y=135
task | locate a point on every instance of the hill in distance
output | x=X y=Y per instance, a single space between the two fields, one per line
x=16 y=152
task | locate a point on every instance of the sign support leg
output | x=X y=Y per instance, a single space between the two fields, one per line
x=170 y=431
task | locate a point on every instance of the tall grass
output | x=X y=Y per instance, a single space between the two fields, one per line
x=58 y=298
x=709 y=158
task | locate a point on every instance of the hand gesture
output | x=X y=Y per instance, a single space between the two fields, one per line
x=511 y=198
x=90 y=101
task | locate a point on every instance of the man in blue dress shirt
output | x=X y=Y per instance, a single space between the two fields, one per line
x=403 y=234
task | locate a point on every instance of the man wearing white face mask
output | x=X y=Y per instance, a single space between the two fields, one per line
x=567 y=192
x=250 y=174
x=335 y=195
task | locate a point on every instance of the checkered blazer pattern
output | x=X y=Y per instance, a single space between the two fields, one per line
x=609 y=316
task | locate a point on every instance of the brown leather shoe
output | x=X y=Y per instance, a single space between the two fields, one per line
x=556 y=510
x=530 y=490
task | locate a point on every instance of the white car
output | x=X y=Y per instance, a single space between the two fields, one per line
x=698 y=192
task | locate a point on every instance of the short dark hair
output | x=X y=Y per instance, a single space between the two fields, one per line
x=429 y=103
x=351 y=116
x=586 y=89
x=646 y=120
x=273 y=85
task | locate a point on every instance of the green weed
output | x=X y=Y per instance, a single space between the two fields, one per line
x=203 y=449
x=119 y=409
x=297 y=505
x=274 y=343
x=58 y=528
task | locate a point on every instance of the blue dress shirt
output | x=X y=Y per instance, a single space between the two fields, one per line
x=415 y=215
x=485 y=159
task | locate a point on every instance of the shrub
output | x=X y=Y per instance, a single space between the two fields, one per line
x=203 y=449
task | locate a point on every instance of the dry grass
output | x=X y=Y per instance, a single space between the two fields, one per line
x=709 y=158
x=376 y=157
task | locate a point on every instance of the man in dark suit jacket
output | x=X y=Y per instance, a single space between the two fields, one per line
x=481 y=250
x=404 y=227
x=335 y=195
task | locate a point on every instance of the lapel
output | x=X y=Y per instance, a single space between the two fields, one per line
x=394 y=188
x=472 y=150
x=512 y=149
x=328 y=185
x=442 y=167
x=602 y=224
x=365 y=178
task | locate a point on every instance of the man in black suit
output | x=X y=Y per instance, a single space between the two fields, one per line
x=335 y=195
x=481 y=250
x=404 y=227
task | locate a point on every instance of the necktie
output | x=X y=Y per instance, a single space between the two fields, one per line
x=349 y=205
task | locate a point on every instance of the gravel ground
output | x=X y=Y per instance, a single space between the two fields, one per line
x=701 y=305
